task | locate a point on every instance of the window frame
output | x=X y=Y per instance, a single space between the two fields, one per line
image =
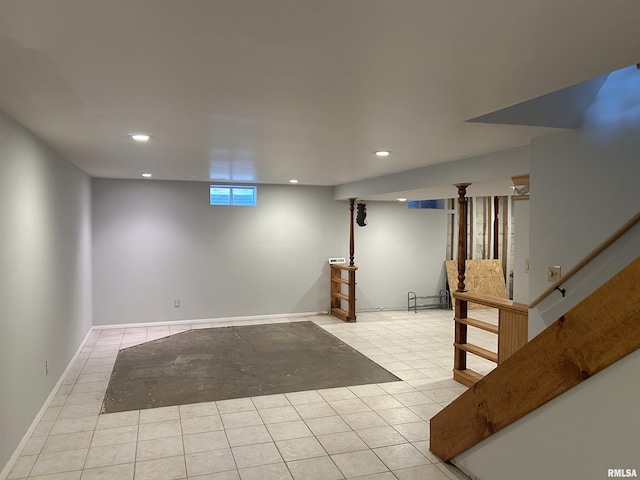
x=232 y=195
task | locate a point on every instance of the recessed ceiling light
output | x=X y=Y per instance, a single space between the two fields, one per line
x=293 y=180
x=382 y=153
x=401 y=199
x=140 y=137
x=146 y=175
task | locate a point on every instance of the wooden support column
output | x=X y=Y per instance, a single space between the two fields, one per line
x=337 y=295
x=352 y=201
x=496 y=227
x=460 y=312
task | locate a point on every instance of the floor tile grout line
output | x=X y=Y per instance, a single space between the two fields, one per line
x=88 y=357
x=184 y=450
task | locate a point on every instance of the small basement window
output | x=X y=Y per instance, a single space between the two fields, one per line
x=241 y=195
x=426 y=204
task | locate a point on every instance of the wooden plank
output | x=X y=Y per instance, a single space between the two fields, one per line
x=474 y=322
x=483 y=277
x=352 y=296
x=520 y=179
x=514 y=332
x=343 y=266
x=597 y=332
x=342 y=296
x=493 y=302
x=340 y=280
x=460 y=335
x=467 y=376
x=340 y=313
x=479 y=351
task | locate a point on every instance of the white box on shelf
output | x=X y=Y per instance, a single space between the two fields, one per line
x=337 y=260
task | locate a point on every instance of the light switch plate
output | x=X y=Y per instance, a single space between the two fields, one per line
x=553 y=273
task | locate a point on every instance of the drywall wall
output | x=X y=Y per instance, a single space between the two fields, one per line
x=155 y=242
x=520 y=251
x=45 y=274
x=440 y=178
x=581 y=193
x=398 y=251
x=578 y=435
x=584 y=187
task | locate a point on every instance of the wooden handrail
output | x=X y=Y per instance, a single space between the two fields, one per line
x=493 y=302
x=594 y=253
x=597 y=332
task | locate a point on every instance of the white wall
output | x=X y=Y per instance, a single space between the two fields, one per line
x=157 y=241
x=583 y=188
x=520 y=251
x=399 y=250
x=579 y=435
x=439 y=179
x=45 y=274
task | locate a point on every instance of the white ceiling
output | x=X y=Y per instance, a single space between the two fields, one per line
x=267 y=90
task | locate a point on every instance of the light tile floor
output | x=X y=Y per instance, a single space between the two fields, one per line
x=372 y=432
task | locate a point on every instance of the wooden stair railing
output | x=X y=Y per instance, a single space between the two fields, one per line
x=512 y=331
x=597 y=332
x=513 y=317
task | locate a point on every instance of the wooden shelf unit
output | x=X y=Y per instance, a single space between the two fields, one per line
x=338 y=296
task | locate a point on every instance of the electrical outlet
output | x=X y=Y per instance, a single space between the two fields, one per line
x=176 y=304
x=46 y=367
x=553 y=273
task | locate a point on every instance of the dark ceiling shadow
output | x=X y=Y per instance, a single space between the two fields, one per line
x=36 y=83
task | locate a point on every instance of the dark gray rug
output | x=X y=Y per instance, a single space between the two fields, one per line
x=234 y=362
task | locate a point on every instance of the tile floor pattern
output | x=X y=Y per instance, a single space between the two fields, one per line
x=373 y=432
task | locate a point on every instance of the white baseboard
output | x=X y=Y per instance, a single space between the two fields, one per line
x=12 y=460
x=207 y=320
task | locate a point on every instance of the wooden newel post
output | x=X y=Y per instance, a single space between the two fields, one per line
x=352 y=201
x=462 y=233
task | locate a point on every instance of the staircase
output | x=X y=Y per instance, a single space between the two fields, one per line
x=599 y=331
